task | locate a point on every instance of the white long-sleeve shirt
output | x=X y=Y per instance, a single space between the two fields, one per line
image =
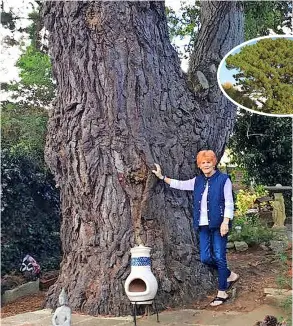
x=189 y=185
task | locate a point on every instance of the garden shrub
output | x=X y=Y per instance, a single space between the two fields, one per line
x=30 y=214
x=245 y=199
x=252 y=230
x=252 y=233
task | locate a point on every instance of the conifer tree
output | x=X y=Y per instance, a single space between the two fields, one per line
x=265 y=72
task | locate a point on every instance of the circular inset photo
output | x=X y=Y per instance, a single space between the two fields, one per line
x=257 y=75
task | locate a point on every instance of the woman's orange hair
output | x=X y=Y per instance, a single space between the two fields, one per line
x=206 y=155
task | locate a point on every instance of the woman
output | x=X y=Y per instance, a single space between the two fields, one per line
x=213 y=212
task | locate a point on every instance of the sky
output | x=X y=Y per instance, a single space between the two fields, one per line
x=9 y=55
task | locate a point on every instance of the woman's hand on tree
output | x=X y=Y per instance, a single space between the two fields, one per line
x=158 y=171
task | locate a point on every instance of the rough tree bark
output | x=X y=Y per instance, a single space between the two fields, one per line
x=122 y=104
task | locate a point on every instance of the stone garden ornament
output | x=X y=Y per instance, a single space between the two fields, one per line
x=279 y=215
x=62 y=315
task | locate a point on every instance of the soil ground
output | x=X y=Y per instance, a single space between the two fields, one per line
x=258 y=269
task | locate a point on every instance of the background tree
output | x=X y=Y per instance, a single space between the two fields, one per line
x=24 y=114
x=122 y=104
x=30 y=219
x=263 y=132
x=261 y=17
x=265 y=72
x=35 y=86
x=257 y=140
x=238 y=96
x=262 y=146
x=186 y=24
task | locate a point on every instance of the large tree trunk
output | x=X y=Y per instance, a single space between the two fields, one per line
x=222 y=28
x=123 y=103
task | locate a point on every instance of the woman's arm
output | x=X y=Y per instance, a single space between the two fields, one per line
x=229 y=207
x=176 y=184
x=229 y=202
x=181 y=185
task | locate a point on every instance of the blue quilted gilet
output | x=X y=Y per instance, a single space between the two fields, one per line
x=215 y=198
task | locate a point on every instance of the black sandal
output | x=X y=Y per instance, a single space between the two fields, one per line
x=221 y=300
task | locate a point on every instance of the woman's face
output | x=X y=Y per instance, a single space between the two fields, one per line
x=207 y=167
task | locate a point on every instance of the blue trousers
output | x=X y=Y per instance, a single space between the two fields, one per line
x=213 y=253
